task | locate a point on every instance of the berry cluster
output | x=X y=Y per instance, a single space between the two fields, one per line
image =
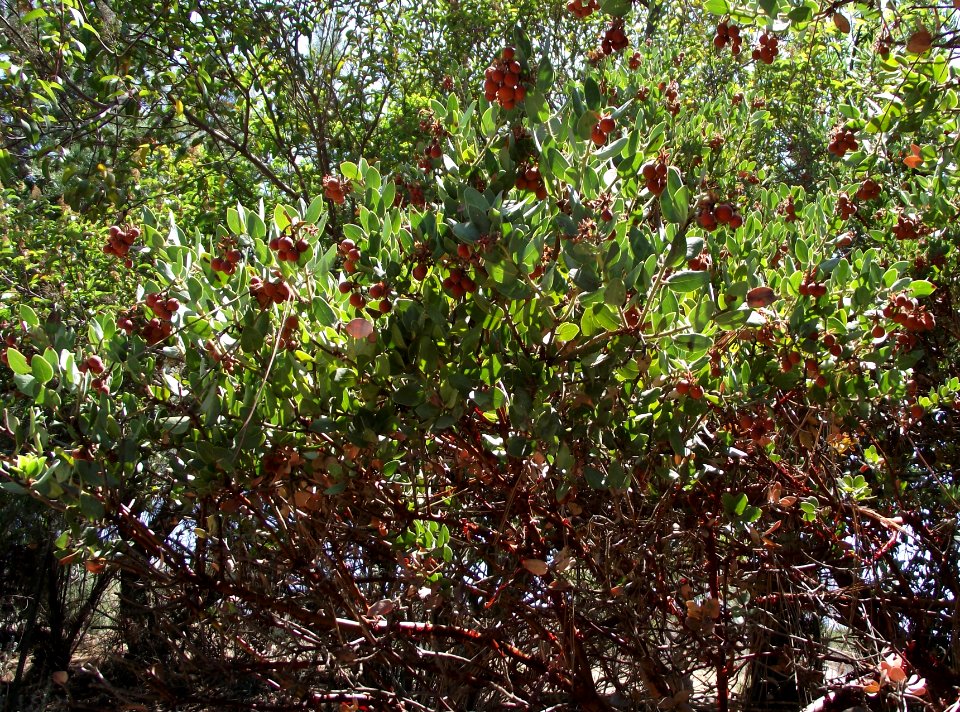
x=812 y=369
x=688 y=387
x=267 y=293
x=160 y=327
x=868 y=190
x=846 y=207
x=614 y=39
x=583 y=8
x=655 y=175
x=842 y=141
x=351 y=255
x=603 y=205
x=415 y=195
x=602 y=129
x=380 y=290
x=789 y=360
x=288 y=333
x=101 y=384
x=712 y=215
x=782 y=251
x=636 y=59
x=120 y=242
x=93 y=364
x=671 y=92
x=908 y=228
x=728 y=34
x=830 y=341
x=377 y=291
x=219 y=356
x=756 y=427
x=336 y=189
x=530 y=179
x=504 y=80
x=287 y=250
x=767 y=50
x=810 y=287
x=459 y=283
x=156 y=331
x=788 y=210
x=163 y=308
x=125 y=323
x=228 y=263
x=909 y=314
x=701 y=263
x=430 y=126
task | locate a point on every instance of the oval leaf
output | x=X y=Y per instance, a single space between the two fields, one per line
x=360 y=328
x=17 y=362
x=536 y=567
x=761 y=297
x=688 y=280
x=919 y=41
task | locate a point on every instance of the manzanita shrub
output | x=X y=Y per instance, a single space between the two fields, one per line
x=621 y=392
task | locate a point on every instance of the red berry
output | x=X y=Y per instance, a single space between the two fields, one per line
x=95 y=364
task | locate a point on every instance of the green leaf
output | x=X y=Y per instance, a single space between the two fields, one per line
x=693 y=341
x=314 y=211
x=28 y=315
x=688 y=280
x=771 y=7
x=349 y=170
x=567 y=331
x=585 y=124
x=921 y=288
x=734 y=504
x=717 y=7
x=233 y=222
x=42 y=370
x=616 y=8
x=591 y=92
x=675 y=200
x=732 y=319
x=17 y=362
x=280 y=218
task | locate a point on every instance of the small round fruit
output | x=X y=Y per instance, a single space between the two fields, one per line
x=357 y=301
x=420 y=272
x=95 y=364
x=385 y=306
x=345 y=287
